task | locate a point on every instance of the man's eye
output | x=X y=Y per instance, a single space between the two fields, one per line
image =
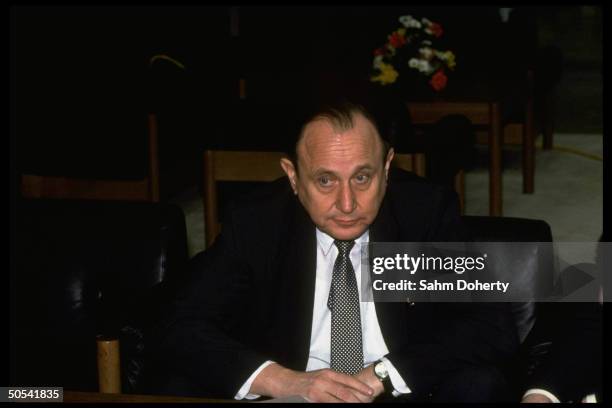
x=362 y=178
x=324 y=181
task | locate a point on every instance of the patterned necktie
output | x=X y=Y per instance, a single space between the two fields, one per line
x=343 y=301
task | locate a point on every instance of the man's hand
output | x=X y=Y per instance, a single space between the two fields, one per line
x=315 y=386
x=536 y=398
x=368 y=377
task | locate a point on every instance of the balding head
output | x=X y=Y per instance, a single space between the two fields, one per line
x=342 y=179
x=341 y=117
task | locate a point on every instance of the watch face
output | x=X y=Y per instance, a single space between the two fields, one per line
x=381 y=370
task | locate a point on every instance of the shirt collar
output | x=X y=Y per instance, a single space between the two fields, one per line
x=325 y=241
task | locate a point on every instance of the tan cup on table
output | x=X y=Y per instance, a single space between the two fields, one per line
x=109 y=366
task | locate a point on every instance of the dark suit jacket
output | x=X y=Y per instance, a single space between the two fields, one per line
x=250 y=296
x=573 y=366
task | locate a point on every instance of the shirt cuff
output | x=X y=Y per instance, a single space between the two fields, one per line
x=591 y=398
x=243 y=392
x=543 y=392
x=399 y=385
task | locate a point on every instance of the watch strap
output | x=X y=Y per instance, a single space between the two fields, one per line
x=386 y=382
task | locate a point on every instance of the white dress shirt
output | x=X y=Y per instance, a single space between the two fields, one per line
x=547 y=394
x=374 y=346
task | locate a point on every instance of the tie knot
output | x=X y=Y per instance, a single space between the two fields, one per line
x=344 y=247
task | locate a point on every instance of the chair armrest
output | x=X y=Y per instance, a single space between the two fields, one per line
x=109 y=365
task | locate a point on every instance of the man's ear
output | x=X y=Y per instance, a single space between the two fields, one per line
x=289 y=169
x=388 y=161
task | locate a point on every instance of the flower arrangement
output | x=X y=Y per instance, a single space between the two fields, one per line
x=412 y=47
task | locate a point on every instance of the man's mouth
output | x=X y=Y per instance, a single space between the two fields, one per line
x=346 y=223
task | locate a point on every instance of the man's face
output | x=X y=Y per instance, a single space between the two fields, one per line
x=342 y=179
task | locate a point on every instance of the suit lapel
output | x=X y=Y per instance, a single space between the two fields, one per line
x=298 y=273
x=385 y=228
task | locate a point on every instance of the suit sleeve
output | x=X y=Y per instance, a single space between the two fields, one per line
x=197 y=335
x=465 y=334
x=573 y=367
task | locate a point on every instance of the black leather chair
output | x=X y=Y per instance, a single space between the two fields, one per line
x=528 y=267
x=531 y=265
x=88 y=268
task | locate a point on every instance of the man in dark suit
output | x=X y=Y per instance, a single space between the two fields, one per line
x=272 y=308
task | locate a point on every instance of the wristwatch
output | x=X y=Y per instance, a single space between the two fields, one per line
x=380 y=371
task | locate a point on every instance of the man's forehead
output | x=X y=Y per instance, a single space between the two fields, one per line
x=323 y=133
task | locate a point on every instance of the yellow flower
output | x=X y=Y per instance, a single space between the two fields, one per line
x=450 y=58
x=388 y=74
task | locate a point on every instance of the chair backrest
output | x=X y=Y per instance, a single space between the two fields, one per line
x=147 y=189
x=523 y=266
x=222 y=165
x=414 y=162
x=427 y=113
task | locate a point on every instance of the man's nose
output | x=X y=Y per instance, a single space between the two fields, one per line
x=346 y=199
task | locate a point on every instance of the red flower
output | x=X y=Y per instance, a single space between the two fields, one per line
x=436 y=29
x=397 y=40
x=438 y=80
x=379 y=51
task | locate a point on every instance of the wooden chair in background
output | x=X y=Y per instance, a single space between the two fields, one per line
x=147 y=189
x=484 y=111
x=221 y=165
x=522 y=131
x=482 y=114
x=414 y=162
